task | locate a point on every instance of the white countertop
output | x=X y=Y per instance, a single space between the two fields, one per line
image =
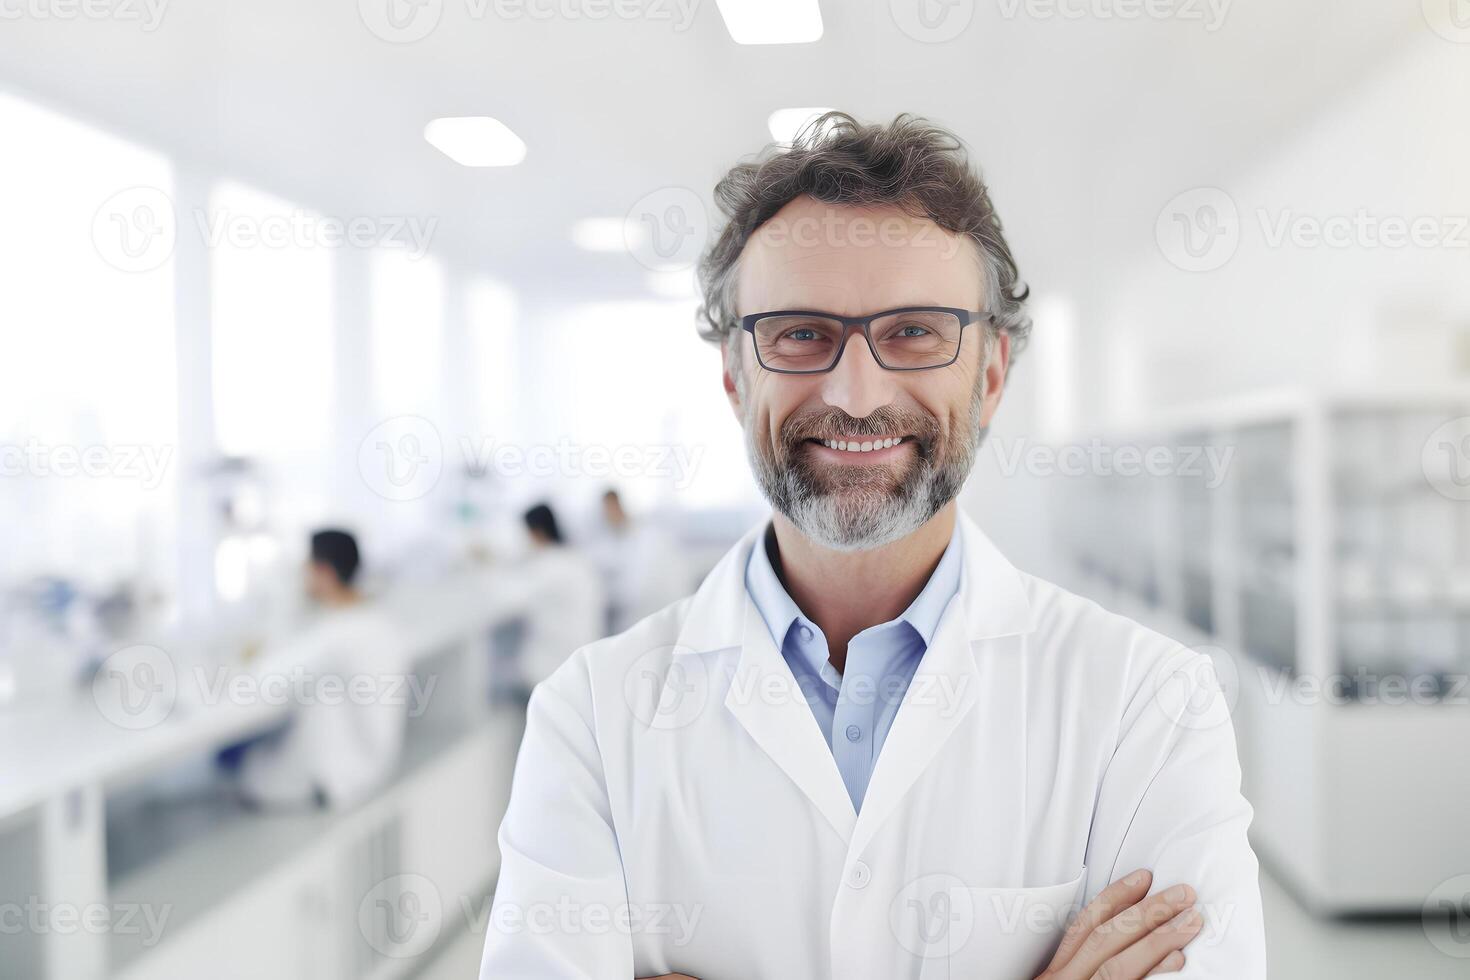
x=50 y=748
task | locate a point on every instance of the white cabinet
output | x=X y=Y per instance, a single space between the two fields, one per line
x=1318 y=546
x=317 y=896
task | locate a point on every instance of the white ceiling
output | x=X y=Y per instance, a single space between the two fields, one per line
x=1084 y=127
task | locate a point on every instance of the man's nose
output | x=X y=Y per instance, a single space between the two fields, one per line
x=858 y=384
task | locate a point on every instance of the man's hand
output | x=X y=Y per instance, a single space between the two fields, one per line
x=1123 y=936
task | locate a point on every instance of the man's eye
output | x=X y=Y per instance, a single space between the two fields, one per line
x=802 y=333
x=912 y=330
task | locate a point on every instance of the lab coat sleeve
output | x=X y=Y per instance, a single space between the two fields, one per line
x=561 y=888
x=1171 y=802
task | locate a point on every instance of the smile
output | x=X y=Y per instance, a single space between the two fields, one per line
x=866 y=444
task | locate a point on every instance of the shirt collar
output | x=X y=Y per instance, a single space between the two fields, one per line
x=781 y=612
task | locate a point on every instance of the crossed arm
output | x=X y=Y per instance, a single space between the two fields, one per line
x=1169 y=805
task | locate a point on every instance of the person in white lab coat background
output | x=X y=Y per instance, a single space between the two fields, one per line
x=868 y=746
x=642 y=567
x=345 y=675
x=566 y=600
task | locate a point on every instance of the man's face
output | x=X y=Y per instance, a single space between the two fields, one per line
x=853 y=262
x=321 y=580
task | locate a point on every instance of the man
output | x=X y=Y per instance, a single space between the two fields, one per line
x=335 y=750
x=567 y=605
x=868 y=746
x=641 y=565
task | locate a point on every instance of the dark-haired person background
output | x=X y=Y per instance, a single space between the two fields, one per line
x=334 y=749
x=567 y=601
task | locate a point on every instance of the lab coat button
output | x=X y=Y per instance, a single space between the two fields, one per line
x=806 y=632
x=860 y=875
x=854 y=733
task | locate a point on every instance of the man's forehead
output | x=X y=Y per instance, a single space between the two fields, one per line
x=848 y=259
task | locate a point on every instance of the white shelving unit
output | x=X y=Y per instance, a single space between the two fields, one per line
x=1331 y=581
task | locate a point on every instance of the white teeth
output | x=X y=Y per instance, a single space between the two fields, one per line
x=861 y=447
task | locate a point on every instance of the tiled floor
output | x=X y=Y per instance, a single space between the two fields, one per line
x=1299 y=948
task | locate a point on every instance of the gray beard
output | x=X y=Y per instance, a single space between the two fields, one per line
x=861 y=515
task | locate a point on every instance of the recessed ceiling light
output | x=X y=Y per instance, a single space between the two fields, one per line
x=771 y=21
x=786 y=123
x=600 y=235
x=476 y=141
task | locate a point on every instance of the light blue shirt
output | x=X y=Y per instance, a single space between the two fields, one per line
x=854 y=708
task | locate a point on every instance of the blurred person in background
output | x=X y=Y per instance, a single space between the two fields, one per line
x=346 y=674
x=568 y=602
x=642 y=568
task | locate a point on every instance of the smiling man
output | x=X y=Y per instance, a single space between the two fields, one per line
x=868 y=746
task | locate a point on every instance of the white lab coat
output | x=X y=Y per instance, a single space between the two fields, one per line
x=345 y=741
x=675 y=809
x=565 y=608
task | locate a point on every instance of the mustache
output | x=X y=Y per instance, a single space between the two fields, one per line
x=834 y=423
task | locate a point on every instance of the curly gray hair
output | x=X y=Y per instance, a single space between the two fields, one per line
x=912 y=164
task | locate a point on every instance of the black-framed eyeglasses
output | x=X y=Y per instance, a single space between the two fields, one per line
x=910 y=338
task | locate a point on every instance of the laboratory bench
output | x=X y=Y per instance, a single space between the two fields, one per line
x=124 y=824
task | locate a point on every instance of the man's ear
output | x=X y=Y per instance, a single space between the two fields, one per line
x=995 y=377
x=730 y=363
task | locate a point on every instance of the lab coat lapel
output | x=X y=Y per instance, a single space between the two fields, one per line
x=968 y=657
x=763 y=696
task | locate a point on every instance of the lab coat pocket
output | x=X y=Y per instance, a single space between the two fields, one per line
x=957 y=930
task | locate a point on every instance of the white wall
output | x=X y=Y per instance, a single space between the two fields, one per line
x=1397 y=145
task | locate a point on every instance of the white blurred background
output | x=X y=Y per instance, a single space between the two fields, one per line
x=248 y=291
